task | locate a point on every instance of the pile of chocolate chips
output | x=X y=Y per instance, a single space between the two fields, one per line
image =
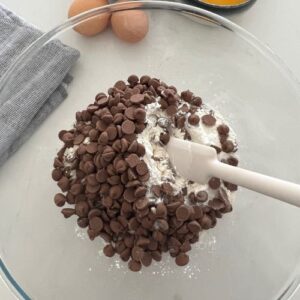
x=105 y=182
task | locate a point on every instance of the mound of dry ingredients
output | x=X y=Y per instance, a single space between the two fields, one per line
x=116 y=177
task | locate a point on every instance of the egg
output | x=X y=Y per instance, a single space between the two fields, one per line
x=130 y=25
x=93 y=26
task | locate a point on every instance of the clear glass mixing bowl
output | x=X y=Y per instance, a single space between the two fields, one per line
x=253 y=253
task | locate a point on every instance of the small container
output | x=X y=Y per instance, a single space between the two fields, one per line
x=224 y=4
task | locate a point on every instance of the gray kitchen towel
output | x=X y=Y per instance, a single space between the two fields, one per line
x=37 y=86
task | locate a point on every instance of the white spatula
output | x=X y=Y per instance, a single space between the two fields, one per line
x=199 y=162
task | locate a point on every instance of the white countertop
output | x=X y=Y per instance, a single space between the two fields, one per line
x=274 y=22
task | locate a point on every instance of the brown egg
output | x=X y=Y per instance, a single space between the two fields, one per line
x=93 y=26
x=130 y=26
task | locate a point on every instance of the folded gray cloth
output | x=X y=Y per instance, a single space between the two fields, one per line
x=38 y=84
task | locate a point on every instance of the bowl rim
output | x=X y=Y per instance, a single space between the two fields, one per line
x=293 y=283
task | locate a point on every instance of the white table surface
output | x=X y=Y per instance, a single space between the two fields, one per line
x=275 y=22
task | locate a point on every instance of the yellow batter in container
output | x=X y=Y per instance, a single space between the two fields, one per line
x=225 y=3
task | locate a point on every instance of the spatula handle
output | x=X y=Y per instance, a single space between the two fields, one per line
x=273 y=187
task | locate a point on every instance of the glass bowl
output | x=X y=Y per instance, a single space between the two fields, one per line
x=253 y=253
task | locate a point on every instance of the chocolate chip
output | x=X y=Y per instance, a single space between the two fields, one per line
x=216 y=204
x=88 y=167
x=82 y=222
x=120 y=85
x=121 y=166
x=161 y=210
x=144 y=178
x=101 y=125
x=132 y=175
x=108 y=153
x=109 y=251
x=59 y=200
x=94 y=213
x=201 y=196
x=142 y=203
x=116 y=191
x=124 y=145
x=133 y=147
x=130 y=112
x=187 y=96
x=140 y=151
x=194 y=226
x=133 y=224
x=103 y=139
x=209 y=120
x=134 y=266
x=128 y=127
x=96 y=224
x=133 y=80
x=173 y=206
x=223 y=129
x=164 y=138
x=101 y=175
x=142 y=168
x=171 y=110
x=214 y=183
x=117 y=145
x=192 y=197
x=140 y=192
x=232 y=161
x=156 y=190
x=111 y=133
x=194 y=119
x=140 y=114
x=180 y=121
x=154 y=83
x=197 y=101
x=76 y=189
x=92 y=148
x=132 y=160
x=125 y=254
x=182 y=259
x=64 y=183
x=102 y=102
x=118 y=118
x=156 y=255
x=57 y=174
x=129 y=195
x=145 y=79
x=81 y=149
x=228 y=146
x=182 y=213
x=82 y=209
x=99 y=96
x=67 y=137
x=137 y=98
x=206 y=222
x=68 y=212
x=104 y=190
x=230 y=186
x=146 y=259
x=162 y=225
x=114 y=180
x=107 y=118
x=79 y=139
x=107 y=201
x=70 y=198
x=137 y=253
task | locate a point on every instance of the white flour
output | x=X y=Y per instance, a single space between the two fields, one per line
x=157 y=157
